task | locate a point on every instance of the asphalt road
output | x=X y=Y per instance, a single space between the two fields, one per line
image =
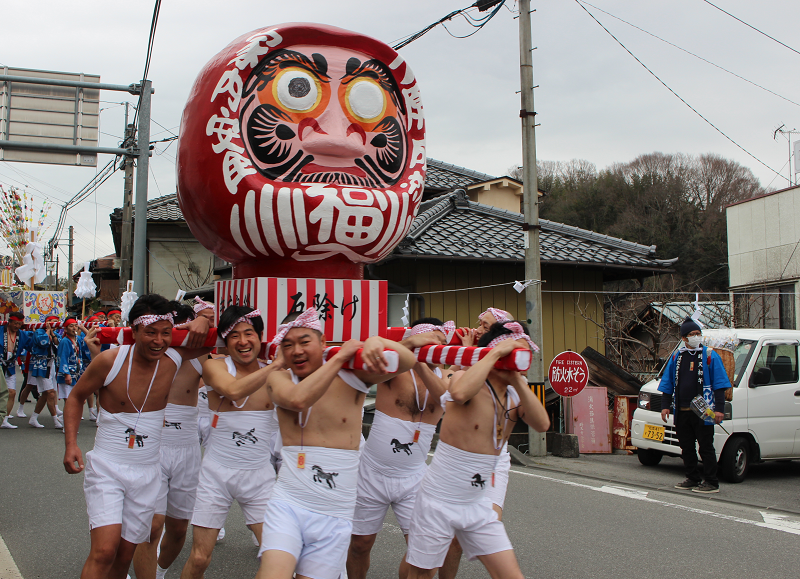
x=596 y=516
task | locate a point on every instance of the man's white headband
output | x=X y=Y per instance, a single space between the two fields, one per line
x=245 y=318
x=308 y=319
x=148 y=319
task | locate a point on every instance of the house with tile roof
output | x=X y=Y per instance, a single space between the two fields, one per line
x=463 y=253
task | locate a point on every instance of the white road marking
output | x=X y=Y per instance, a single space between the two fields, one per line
x=8 y=569
x=771 y=521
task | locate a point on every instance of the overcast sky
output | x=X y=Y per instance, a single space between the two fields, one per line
x=593 y=100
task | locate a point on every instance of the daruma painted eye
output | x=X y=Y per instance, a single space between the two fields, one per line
x=297 y=90
x=366 y=100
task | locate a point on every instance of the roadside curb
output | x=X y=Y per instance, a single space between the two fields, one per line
x=525 y=461
x=8 y=569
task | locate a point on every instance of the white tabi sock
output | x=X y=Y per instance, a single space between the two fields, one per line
x=160 y=572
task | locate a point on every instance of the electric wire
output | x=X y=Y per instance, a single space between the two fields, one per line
x=722 y=68
x=478 y=23
x=679 y=97
x=751 y=26
x=150 y=43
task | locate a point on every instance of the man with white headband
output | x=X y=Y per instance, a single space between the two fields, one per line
x=123 y=475
x=308 y=522
x=496 y=493
x=180 y=467
x=393 y=459
x=482 y=405
x=236 y=465
x=204 y=309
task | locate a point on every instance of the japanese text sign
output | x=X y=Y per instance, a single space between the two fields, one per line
x=568 y=374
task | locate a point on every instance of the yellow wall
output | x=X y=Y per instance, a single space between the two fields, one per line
x=563 y=326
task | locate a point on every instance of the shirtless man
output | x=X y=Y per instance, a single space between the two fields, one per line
x=180 y=468
x=481 y=406
x=393 y=459
x=308 y=522
x=236 y=465
x=123 y=475
x=497 y=492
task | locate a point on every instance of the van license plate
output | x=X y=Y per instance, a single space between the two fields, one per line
x=653 y=432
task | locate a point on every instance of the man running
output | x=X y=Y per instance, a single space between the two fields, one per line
x=180 y=468
x=481 y=406
x=308 y=523
x=393 y=459
x=123 y=475
x=236 y=465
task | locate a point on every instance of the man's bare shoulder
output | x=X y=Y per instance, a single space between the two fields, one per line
x=105 y=360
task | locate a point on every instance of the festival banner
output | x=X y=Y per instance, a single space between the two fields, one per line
x=347 y=308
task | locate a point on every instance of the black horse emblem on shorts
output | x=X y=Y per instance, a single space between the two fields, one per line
x=175 y=425
x=399 y=446
x=139 y=437
x=242 y=439
x=477 y=481
x=320 y=476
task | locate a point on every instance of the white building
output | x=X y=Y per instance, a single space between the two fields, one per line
x=764 y=259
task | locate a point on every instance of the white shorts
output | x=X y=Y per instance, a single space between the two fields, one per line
x=497 y=493
x=220 y=485
x=119 y=493
x=318 y=542
x=64 y=390
x=42 y=383
x=376 y=492
x=180 y=473
x=434 y=522
x=11 y=381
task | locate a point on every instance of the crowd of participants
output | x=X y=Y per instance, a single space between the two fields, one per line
x=183 y=432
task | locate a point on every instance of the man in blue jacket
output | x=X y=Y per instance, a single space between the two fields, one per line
x=72 y=356
x=695 y=371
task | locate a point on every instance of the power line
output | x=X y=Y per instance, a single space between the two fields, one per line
x=679 y=97
x=150 y=43
x=691 y=53
x=751 y=26
x=478 y=23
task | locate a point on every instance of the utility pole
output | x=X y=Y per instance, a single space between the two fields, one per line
x=69 y=269
x=142 y=166
x=127 y=209
x=533 y=269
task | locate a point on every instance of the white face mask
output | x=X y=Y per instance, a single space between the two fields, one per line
x=693 y=341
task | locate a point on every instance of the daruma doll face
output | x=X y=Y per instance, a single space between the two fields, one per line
x=302 y=143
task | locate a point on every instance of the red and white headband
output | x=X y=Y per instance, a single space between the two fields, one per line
x=201 y=305
x=308 y=319
x=245 y=318
x=517 y=333
x=148 y=319
x=499 y=315
x=447 y=329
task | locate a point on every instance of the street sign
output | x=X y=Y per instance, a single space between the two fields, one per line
x=568 y=374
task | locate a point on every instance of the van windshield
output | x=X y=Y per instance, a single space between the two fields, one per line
x=741 y=356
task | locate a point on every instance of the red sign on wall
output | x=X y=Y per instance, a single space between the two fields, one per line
x=568 y=374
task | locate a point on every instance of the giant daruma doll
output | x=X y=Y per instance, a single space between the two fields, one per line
x=302 y=152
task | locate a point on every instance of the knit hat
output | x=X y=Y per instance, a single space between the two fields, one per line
x=688 y=326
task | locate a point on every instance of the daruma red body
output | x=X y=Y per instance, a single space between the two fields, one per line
x=302 y=152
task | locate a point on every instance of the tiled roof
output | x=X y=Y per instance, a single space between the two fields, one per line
x=440 y=176
x=160 y=209
x=453 y=227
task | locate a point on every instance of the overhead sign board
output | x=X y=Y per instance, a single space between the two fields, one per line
x=51 y=115
x=568 y=374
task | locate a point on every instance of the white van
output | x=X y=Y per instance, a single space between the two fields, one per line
x=763 y=418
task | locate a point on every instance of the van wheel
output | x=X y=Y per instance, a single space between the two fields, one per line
x=649 y=456
x=735 y=460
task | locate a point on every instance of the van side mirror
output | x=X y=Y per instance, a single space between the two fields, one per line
x=760 y=377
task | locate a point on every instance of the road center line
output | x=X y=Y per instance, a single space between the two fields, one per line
x=771 y=520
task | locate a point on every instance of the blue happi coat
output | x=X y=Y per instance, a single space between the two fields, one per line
x=67 y=361
x=42 y=351
x=714 y=378
x=23 y=343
